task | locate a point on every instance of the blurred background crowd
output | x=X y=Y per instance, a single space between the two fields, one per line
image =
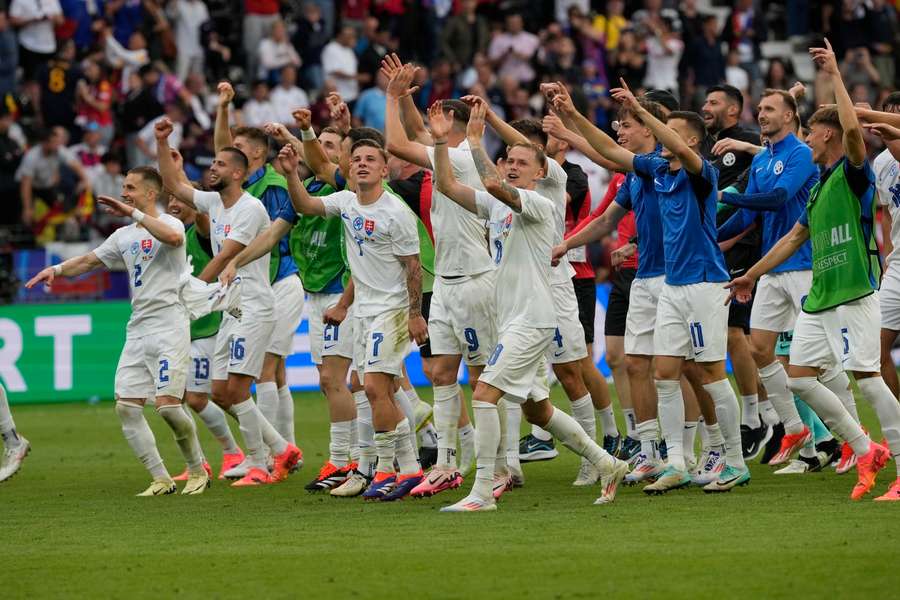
x=82 y=81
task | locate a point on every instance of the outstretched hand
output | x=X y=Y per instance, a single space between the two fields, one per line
x=825 y=58
x=475 y=127
x=116 y=207
x=625 y=96
x=287 y=160
x=439 y=122
x=740 y=289
x=226 y=93
x=46 y=275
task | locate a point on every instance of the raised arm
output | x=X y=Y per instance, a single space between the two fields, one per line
x=157 y=228
x=556 y=126
x=593 y=231
x=260 y=246
x=303 y=203
x=418 y=328
x=314 y=155
x=621 y=159
x=854 y=144
x=395 y=136
x=742 y=287
x=487 y=171
x=666 y=136
x=509 y=134
x=222 y=131
x=68 y=268
x=444 y=180
x=173 y=179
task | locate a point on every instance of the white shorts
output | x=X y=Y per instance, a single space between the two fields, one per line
x=889 y=298
x=568 y=342
x=692 y=322
x=461 y=318
x=846 y=336
x=328 y=340
x=288 y=309
x=778 y=298
x=154 y=365
x=199 y=377
x=517 y=366
x=641 y=320
x=241 y=347
x=382 y=342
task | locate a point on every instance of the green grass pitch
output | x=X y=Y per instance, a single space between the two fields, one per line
x=71 y=527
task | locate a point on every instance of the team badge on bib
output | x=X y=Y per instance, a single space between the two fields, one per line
x=146 y=246
x=728 y=159
x=369 y=226
x=779 y=167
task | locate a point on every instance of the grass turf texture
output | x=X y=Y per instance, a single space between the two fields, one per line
x=71 y=527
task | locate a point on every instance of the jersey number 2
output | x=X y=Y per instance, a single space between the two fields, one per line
x=137 y=276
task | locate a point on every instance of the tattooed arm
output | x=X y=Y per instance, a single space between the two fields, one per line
x=418 y=328
x=490 y=177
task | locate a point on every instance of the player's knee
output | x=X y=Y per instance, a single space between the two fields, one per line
x=801 y=385
x=537 y=413
x=376 y=392
x=615 y=358
x=637 y=367
x=443 y=372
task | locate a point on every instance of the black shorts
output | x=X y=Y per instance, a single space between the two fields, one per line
x=586 y=294
x=617 y=308
x=739 y=315
x=425 y=349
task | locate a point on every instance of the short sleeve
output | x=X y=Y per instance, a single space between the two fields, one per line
x=458 y=160
x=623 y=196
x=108 y=252
x=484 y=202
x=534 y=206
x=249 y=223
x=804 y=219
x=556 y=173
x=281 y=201
x=174 y=223
x=404 y=233
x=644 y=165
x=205 y=200
x=334 y=204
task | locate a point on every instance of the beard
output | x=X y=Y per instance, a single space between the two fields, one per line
x=218 y=186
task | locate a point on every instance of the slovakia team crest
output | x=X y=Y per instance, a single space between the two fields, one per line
x=227 y=230
x=369 y=226
x=146 y=246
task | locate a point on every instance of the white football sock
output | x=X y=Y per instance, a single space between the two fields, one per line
x=879 y=395
x=830 y=409
x=767 y=413
x=248 y=417
x=501 y=463
x=413 y=397
x=270 y=436
x=646 y=434
x=429 y=436
x=572 y=436
x=487 y=444
x=339 y=443
x=214 y=419
x=467 y=439
x=139 y=436
x=607 y=421
x=583 y=411
x=630 y=422
x=714 y=435
x=775 y=380
x=284 y=420
x=689 y=437
x=446 y=417
x=704 y=433
x=185 y=435
x=836 y=380
x=366 y=434
x=7 y=425
x=385 y=449
x=539 y=433
x=407 y=459
x=750 y=411
x=267 y=400
x=406 y=408
x=671 y=420
x=354 y=441
x=513 y=427
x=729 y=418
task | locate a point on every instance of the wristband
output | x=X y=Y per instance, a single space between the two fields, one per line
x=57 y=269
x=137 y=216
x=307 y=135
x=439 y=142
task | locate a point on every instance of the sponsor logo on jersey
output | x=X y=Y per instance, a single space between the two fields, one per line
x=358 y=223
x=779 y=167
x=146 y=246
x=370 y=226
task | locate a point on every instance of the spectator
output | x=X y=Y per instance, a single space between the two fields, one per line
x=735 y=75
x=370 y=58
x=146 y=139
x=744 y=31
x=857 y=69
x=47 y=172
x=629 y=62
x=11 y=153
x=107 y=181
x=341 y=64
x=259 y=17
x=611 y=24
x=320 y=109
x=127 y=17
x=217 y=54
x=129 y=60
x=511 y=51
x=369 y=109
x=275 y=53
x=309 y=39
x=663 y=54
x=95 y=96
x=286 y=97
x=79 y=19
x=59 y=80
x=464 y=35
x=258 y=110
x=440 y=86
x=89 y=152
x=651 y=17
x=882 y=33
x=705 y=62
x=9 y=56
x=780 y=75
x=140 y=107
x=189 y=16
x=35 y=20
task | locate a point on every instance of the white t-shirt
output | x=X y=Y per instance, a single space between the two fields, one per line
x=887 y=182
x=553 y=187
x=284 y=101
x=257 y=114
x=154 y=270
x=188 y=16
x=662 y=68
x=460 y=245
x=39 y=36
x=245 y=220
x=376 y=234
x=522 y=244
x=338 y=58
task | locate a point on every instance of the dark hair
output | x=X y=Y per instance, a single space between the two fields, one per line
x=254 y=134
x=460 y=110
x=789 y=100
x=366 y=133
x=369 y=143
x=149 y=175
x=693 y=120
x=668 y=101
x=110 y=157
x=731 y=93
x=42 y=134
x=827 y=115
x=334 y=130
x=238 y=155
x=532 y=129
x=893 y=99
x=654 y=108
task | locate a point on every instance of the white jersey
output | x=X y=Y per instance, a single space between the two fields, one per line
x=460 y=247
x=522 y=244
x=553 y=187
x=242 y=222
x=887 y=182
x=376 y=235
x=154 y=273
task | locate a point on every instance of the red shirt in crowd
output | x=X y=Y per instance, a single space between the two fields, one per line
x=626 y=229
